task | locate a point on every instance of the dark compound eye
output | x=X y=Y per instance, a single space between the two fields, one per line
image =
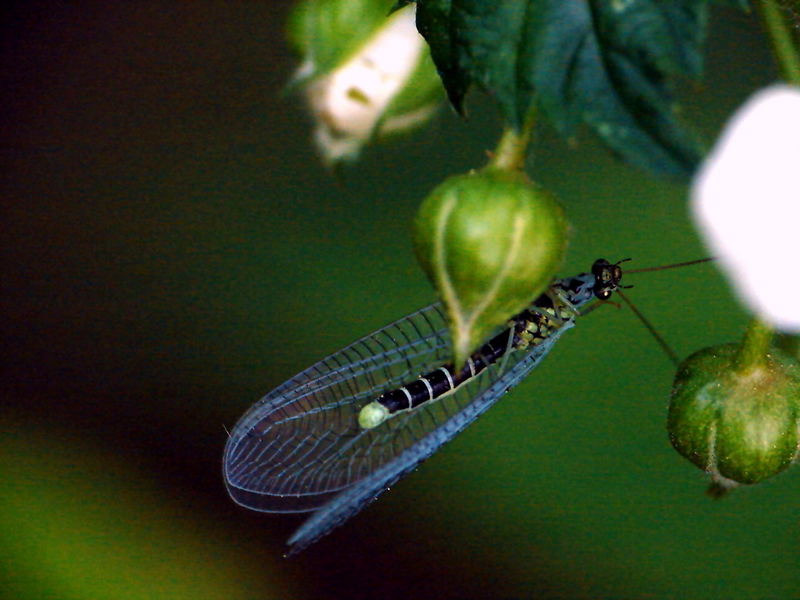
x=599 y=267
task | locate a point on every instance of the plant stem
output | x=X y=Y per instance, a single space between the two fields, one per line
x=784 y=42
x=754 y=347
x=513 y=146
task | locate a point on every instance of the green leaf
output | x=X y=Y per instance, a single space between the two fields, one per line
x=435 y=25
x=598 y=62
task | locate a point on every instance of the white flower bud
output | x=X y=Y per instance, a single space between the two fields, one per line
x=388 y=85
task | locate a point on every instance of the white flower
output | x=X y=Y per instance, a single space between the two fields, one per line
x=746 y=202
x=350 y=104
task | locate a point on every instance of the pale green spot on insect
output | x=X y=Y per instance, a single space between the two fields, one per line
x=372 y=415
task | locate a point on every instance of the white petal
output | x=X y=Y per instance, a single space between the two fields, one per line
x=746 y=202
x=348 y=103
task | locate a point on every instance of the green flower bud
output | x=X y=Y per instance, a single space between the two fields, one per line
x=740 y=425
x=366 y=73
x=490 y=242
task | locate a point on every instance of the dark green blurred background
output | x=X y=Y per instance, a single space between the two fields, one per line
x=172 y=249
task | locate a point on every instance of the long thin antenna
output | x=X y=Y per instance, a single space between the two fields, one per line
x=661 y=342
x=673 y=266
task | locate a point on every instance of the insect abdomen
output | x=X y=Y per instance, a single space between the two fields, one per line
x=444 y=380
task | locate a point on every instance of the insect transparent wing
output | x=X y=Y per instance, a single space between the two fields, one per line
x=483 y=393
x=301 y=444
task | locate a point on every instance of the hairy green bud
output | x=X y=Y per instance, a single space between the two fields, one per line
x=740 y=425
x=490 y=242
